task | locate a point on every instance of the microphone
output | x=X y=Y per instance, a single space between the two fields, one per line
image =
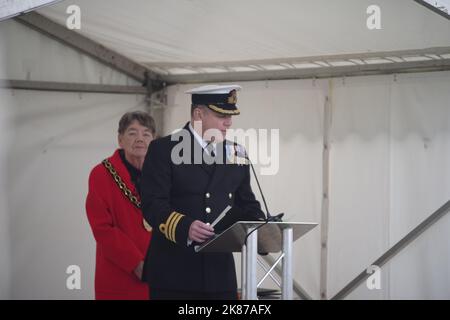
x=269 y=217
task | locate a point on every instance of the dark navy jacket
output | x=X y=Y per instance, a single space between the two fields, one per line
x=173 y=196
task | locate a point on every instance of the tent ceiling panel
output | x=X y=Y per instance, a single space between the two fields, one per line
x=11 y=8
x=185 y=31
x=441 y=7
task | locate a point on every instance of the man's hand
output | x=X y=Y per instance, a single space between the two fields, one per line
x=200 y=231
x=139 y=269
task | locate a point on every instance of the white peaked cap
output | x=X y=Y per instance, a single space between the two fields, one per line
x=214 y=89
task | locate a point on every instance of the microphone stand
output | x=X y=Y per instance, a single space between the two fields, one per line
x=269 y=217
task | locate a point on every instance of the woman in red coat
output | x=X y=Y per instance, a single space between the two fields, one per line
x=113 y=210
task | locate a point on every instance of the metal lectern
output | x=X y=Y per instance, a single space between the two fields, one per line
x=264 y=238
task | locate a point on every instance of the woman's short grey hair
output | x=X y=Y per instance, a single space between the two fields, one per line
x=142 y=117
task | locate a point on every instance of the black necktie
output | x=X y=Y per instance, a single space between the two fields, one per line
x=210 y=148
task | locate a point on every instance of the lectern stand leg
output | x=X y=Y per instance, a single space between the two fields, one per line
x=287 y=284
x=250 y=277
x=243 y=272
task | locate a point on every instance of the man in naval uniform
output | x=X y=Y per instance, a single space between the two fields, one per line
x=188 y=179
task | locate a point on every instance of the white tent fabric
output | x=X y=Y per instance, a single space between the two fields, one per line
x=390 y=155
x=389 y=151
x=34 y=56
x=376 y=196
x=209 y=31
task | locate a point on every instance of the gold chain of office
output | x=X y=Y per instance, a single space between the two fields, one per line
x=122 y=186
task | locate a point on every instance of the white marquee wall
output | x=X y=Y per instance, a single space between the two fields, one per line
x=57 y=139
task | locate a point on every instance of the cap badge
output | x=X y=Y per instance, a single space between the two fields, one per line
x=232 y=98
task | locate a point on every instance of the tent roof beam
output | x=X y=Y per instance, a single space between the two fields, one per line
x=90 y=47
x=71 y=87
x=314 y=72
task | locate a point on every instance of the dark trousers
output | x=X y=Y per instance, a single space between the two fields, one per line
x=157 y=294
